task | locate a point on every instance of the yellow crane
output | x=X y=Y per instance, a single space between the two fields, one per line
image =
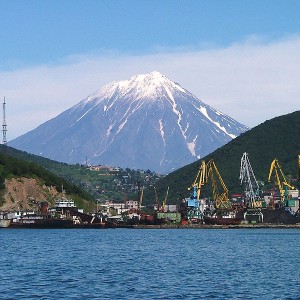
x=280 y=179
x=194 y=207
x=299 y=167
x=219 y=189
x=141 y=198
x=165 y=200
x=156 y=204
x=199 y=181
x=209 y=172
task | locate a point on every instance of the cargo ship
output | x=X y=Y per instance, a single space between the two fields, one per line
x=229 y=218
x=47 y=222
x=37 y=221
x=64 y=215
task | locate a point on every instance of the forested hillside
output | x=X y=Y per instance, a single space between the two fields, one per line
x=12 y=167
x=116 y=184
x=276 y=138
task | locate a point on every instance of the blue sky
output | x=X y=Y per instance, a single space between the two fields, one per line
x=40 y=31
x=224 y=52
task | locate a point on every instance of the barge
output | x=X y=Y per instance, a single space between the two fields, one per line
x=219 y=220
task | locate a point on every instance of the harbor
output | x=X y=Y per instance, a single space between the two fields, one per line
x=208 y=206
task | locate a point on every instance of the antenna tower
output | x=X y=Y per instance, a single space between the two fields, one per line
x=4 y=126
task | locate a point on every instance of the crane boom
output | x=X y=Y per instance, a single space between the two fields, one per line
x=280 y=179
x=165 y=200
x=156 y=198
x=247 y=178
x=141 y=198
x=220 y=198
x=299 y=167
x=199 y=181
x=208 y=172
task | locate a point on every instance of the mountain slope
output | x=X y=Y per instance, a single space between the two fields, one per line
x=276 y=138
x=21 y=180
x=147 y=122
x=104 y=184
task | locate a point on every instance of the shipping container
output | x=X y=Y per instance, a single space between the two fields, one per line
x=291 y=203
x=172 y=217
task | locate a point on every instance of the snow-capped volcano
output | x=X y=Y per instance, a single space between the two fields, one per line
x=149 y=86
x=146 y=122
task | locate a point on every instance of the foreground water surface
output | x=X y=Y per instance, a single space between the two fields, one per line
x=150 y=264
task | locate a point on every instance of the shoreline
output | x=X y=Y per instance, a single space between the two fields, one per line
x=204 y=226
x=169 y=226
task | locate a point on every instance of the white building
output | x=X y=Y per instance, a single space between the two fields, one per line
x=132 y=204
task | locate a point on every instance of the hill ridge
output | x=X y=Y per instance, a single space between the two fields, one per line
x=275 y=138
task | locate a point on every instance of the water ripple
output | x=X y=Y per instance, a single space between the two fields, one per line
x=150 y=264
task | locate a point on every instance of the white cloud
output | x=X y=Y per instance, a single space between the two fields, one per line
x=252 y=81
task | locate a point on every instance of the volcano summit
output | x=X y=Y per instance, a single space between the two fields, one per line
x=146 y=122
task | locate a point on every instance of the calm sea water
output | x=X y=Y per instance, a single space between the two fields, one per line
x=150 y=264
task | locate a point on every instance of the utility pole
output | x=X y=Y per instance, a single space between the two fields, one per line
x=4 y=126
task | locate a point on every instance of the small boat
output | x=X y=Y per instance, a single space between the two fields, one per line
x=4 y=223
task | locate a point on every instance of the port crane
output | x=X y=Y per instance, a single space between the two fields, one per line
x=219 y=189
x=247 y=178
x=165 y=200
x=299 y=167
x=199 y=181
x=156 y=204
x=251 y=190
x=195 y=209
x=141 y=198
x=280 y=180
x=208 y=172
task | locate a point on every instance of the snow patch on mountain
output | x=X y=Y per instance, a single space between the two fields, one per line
x=162 y=133
x=82 y=116
x=192 y=146
x=203 y=110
